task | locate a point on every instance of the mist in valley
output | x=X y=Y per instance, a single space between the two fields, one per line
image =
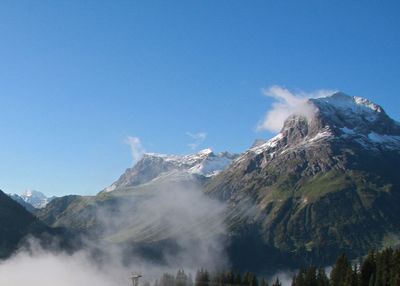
x=184 y=227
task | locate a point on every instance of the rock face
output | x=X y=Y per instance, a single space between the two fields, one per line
x=327 y=183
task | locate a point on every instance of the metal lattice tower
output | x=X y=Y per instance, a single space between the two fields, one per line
x=135 y=278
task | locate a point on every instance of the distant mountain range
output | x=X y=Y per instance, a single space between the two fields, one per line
x=31 y=199
x=327 y=183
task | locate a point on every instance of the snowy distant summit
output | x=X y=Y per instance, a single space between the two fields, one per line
x=33 y=198
x=204 y=163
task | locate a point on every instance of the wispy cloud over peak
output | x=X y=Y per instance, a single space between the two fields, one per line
x=137 y=149
x=287 y=103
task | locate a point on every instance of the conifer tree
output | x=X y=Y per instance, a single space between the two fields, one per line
x=190 y=280
x=340 y=271
x=311 y=276
x=230 y=278
x=246 y=279
x=238 y=279
x=368 y=268
x=263 y=282
x=181 y=278
x=254 y=280
x=277 y=282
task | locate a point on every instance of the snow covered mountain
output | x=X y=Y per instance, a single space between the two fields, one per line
x=153 y=166
x=33 y=198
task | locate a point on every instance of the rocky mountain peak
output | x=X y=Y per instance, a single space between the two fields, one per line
x=332 y=118
x=343 y=111
x=340 y=100
x=32 y=198
x=204 y=163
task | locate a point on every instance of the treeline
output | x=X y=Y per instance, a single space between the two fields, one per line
x=205 y=278
x=377 y=269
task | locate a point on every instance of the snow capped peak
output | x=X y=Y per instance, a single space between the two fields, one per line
x=35 y=198
x=332 y=119
x=339 y=111
x=152 y=166
x=355 y=104
x=271 y=143
x=205 y=162
x=32 y=193
x=207 y=151
x=204 y=152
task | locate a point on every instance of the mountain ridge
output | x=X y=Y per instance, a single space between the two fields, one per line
x=204 y=163
x=310 y=193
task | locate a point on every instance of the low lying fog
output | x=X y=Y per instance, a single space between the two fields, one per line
x=183 y=213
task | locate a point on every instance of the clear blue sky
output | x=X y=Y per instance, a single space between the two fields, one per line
x=78 y=77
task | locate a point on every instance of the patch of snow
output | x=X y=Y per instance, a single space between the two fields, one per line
x=350 y=102
x=363 y=143
x=258 y=142
x=267 y=145
x=207 y=151
x=379 y=138
x=326 y=132
x=211 y=166
x=366 y=103
x=349 y=105
x=110 y=188
x=375 y=141
x=347 y=131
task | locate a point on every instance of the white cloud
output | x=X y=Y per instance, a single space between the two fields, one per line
x=47 y=269
x=198 y=139
x=287 y=103
x=137 y=149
